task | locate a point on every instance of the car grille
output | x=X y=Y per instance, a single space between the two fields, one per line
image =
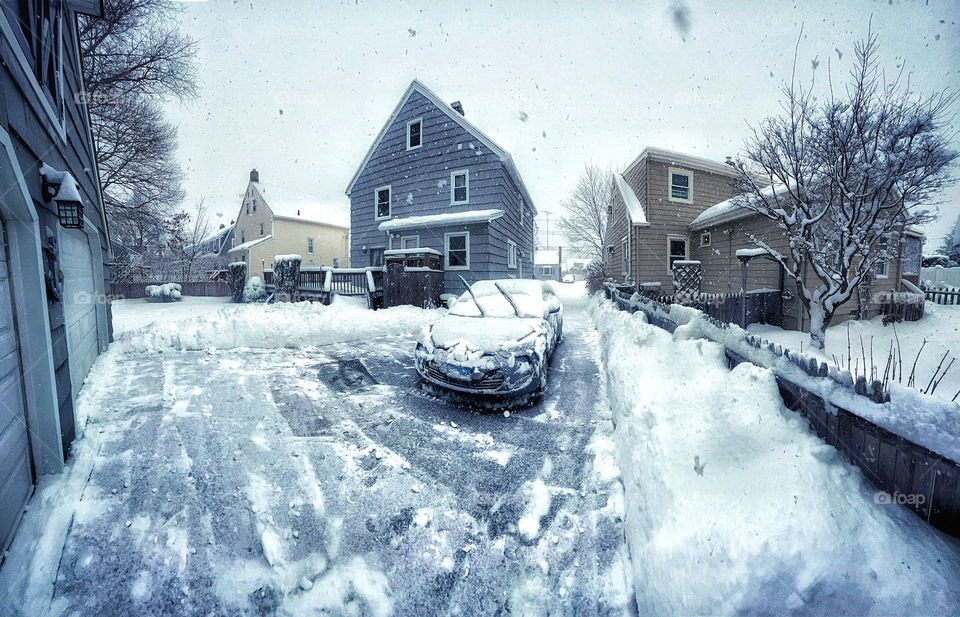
x=489 y=382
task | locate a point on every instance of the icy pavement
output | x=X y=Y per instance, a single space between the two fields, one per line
x=321 y=481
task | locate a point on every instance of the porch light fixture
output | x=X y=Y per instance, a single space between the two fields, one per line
x=61 y=188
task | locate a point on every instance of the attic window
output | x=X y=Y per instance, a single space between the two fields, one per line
x=414 y=137
x=459 y=187
x=681 y=188
x=382 y=202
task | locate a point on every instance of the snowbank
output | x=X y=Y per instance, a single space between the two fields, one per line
x=733 y=506
x=283 y=325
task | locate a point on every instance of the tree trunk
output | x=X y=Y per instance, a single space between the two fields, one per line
x=819 y=320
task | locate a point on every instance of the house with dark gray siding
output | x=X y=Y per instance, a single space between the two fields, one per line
x=432 y=179
x=54 y=319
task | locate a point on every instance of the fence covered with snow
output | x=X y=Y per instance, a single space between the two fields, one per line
x=906 y=443
x=121 y=291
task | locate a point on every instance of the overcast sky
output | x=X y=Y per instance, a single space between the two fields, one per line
x=299 y=89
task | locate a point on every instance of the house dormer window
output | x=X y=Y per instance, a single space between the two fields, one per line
x=382 y=202
x=459 y=187
x=414 y=134
x=681 y=185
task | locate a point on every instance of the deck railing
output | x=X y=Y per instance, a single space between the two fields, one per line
x=320 y=284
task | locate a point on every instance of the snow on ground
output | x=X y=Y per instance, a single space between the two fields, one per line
x=734 y=507
x=570 y=294
x=940 y=326
x=136 y=313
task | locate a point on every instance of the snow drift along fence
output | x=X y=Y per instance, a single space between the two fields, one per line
x=119 y=291
x=763 y=305
x=906 y=472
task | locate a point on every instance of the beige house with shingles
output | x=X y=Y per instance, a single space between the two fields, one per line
x=668 y=206
x=283 y=226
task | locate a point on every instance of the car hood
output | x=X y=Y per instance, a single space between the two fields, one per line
x=486 y=335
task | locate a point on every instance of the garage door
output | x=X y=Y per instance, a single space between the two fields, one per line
x=79 y=305
x=15 y=475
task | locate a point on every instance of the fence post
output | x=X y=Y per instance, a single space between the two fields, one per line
x=743 y=293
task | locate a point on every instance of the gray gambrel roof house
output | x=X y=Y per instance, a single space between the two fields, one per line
x=432 y=179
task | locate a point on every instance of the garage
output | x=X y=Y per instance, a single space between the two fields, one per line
x=79 y=304
x=16 y=478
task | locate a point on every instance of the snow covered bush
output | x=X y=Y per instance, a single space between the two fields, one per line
x=596 y=273
x=255 y=290
x=168 y=292
x=286 y=277
x=236 y=277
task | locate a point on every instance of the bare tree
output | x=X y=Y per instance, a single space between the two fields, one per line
x=185 y=233
x=586 y=220
x=134 y=57
x=842 y=177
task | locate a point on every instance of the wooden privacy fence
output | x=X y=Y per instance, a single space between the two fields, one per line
x=120 y=291
x=321 y=284
x=906 y=473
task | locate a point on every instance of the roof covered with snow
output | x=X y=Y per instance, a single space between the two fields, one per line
x=250 y=244
x=546 y=257
x=438 y=220
x=680 y=158
x=503 y=155
x=634 y=208
x=731 y=209
x=288 y=202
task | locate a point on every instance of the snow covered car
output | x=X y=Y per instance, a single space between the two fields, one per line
x=495 y=342
x=568 y=278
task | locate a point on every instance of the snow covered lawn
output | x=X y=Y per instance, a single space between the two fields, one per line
x=264 y=460
x=734 y=507
x=136 y=313
x=940 y=327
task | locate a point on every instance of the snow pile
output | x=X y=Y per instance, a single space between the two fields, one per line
x=290 y=325
x=734 y=507
x=255 y=290
x=168 y=292
x=570 y=294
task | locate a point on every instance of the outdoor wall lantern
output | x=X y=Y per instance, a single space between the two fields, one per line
x=363 y=249
x=61 y=188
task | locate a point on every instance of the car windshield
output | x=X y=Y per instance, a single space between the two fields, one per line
x=528 y=295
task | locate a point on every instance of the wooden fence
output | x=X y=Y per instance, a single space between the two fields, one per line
x=119 y=291
x=321 y=284
x=763 y=305
x=904 y=471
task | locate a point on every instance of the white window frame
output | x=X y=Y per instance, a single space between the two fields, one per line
x=376 y=203
x=446 y=249
x=403 y=241
x=310 y=246
x=883 y=264
x=683 y=172
x=625 y=256
x=409 y=124
x=511 y=254
x=453 y=187
x=686 y=254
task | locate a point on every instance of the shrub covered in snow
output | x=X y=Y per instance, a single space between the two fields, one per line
x=255 y=290
x=168 y=292
x=236 y=277
x=596 y=274
x=286 y=277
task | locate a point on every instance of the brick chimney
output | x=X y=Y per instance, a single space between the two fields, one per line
x=458 y=107
x=254 y=175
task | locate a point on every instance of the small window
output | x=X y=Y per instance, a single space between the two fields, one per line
x=414 y=135
x=680 y=186
x=458 y=251
x=261 y=229
x=705 y=239
x=677 y=250
x=310 y=245
x=376 y=256
x=336 y=262
x=459 y=187
x=248 y=207
x=254 y=202
x=410 y=242
x=243 y=235
x=881 y=269
x=625 y=254
x=511 y=254
x=383 y=202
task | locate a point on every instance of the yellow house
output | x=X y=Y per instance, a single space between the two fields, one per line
x=274 y=222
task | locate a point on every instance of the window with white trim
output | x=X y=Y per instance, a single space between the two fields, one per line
x=681 y=185
x=511 y=254
x=414 y=134
x=625 y=256
x=459 y=187
x=678 y=249
x=881 y=269
x=381 y=198
x=457 y=250
x=310 y=245
x=410 y=242
x=705 y=239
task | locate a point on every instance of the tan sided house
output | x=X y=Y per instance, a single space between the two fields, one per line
x=273 y=222
x=667 y=207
